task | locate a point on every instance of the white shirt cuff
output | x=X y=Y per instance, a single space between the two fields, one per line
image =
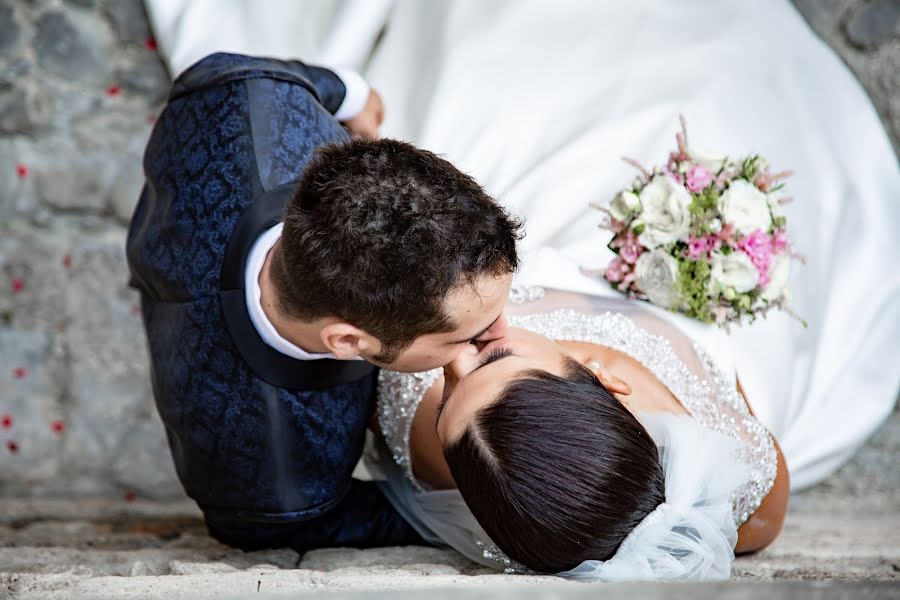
x=356 y=96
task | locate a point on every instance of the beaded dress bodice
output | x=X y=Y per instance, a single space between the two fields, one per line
x=707 y=394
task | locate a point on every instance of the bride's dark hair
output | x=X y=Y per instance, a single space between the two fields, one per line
x=556 y=470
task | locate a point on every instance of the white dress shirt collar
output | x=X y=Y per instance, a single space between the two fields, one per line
x=264 y=327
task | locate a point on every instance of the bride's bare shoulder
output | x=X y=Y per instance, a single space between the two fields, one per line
x=425 y=449
x=766 y=522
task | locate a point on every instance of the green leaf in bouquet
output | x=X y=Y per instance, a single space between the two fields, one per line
x=750 y=167
x=638 y=228
x=704 y=207
x=693 y=286
x=726 y=162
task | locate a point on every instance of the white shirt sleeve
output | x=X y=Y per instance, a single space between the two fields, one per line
x=356 y=96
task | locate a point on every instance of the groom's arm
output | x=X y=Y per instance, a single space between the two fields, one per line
x=346 y=95
x=343 y=92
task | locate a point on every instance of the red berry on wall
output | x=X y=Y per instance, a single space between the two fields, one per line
x=113 y=90
x=6 y=421
x=20 y=372
x=18 y=284
x=21 y=171
x=67 y=261
x=130 y=496
x=12 y=447
x=150 y=44
x=58 y=426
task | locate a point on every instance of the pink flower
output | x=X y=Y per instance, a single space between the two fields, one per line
x=698 y=247
x=763 y=181
x=780 y=240
x=673 y=174
x=726 y=235
x=758 y=246
x=698 y=178
x=629 y=249
x=621 y=273
x=672 y=165
x=616 y=226
x=630 y=253
x=616 y=270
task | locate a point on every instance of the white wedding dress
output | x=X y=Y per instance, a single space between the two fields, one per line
x=538 y=100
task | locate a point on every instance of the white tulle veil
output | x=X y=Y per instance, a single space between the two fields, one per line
x=691 y=536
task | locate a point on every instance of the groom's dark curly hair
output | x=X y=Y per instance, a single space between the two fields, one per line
x=379 y=233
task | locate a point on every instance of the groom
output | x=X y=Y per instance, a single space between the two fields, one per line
x=278 y=265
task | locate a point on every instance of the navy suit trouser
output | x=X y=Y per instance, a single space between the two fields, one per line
x=362 y=519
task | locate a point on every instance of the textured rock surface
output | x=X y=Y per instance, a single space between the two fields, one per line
x=80 y=85
x=866 y=34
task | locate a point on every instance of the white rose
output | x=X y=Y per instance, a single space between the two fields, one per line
x=745 y=207
x=710 y=162
x=657 y=274
x=779 y=274
x=624 y=205
x=664 y=212
x=733 y=270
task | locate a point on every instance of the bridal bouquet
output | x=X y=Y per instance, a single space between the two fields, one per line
x=702 y=236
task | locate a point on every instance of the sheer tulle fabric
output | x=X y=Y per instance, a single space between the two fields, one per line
x=691 y=536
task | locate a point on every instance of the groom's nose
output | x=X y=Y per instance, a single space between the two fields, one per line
x=497 y=330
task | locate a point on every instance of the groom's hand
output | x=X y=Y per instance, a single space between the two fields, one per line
x=365 y=125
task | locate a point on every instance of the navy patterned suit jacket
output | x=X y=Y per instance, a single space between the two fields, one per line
x=265 y=444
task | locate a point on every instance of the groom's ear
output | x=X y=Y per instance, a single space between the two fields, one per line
x=346 y=341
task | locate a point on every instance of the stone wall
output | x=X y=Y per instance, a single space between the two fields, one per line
x=80 y=84
x=866 y=34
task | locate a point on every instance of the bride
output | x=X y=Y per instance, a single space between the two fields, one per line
x=595 y=440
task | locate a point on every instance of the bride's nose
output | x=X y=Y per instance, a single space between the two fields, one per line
x=462 y=365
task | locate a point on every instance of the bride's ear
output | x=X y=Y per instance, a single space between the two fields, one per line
x=345 y=341
x=612 y=383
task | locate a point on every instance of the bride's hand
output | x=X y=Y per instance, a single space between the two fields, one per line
x=365 y=125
